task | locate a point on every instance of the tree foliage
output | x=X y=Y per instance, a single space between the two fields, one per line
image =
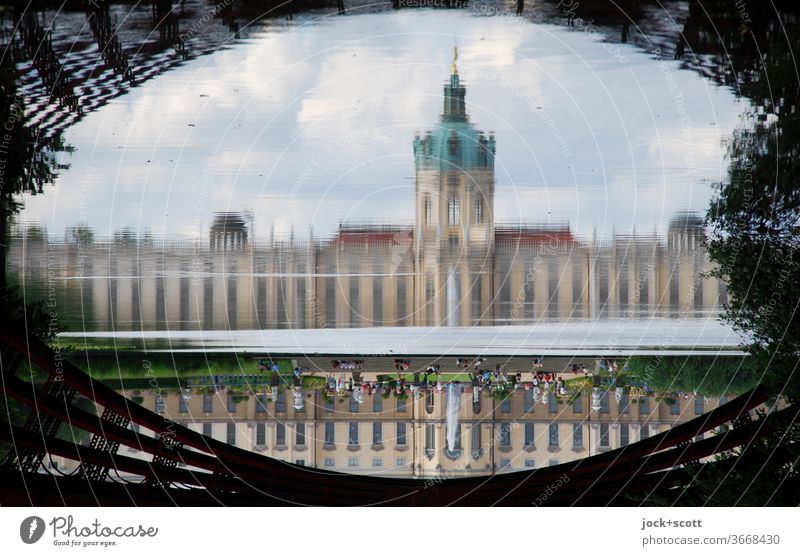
x=754 y=239
x=708 y=376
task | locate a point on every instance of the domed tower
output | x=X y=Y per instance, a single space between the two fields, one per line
x=454 y=226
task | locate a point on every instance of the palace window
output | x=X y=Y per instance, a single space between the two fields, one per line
x=577 y=435
x=529 y=437
x=430 y=441
x=553 y=435
x=699 y=406
x=476 y=447
x=604 y=443
x=505 y=434
x=352 y=437
x=428 y=211
x=453 y=211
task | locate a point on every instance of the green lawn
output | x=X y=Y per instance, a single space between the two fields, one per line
x=125 y=365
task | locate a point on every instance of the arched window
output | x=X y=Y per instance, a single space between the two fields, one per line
x=477 y=398
x=476 y=446
x=528 y=398
x=428 y=211
x=479 y=209
x=453 y=212
x=430 y=441
x=429 y=402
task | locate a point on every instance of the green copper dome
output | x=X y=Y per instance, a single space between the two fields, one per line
x=454 y=143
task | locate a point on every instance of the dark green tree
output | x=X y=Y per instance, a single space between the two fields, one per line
x=754 y=238
x=708 y=376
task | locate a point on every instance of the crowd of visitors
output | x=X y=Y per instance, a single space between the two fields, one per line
x=347 y=365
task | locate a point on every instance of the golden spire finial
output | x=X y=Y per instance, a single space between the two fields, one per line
x=455 y=58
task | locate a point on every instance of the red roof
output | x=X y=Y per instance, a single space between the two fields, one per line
x=533 y=235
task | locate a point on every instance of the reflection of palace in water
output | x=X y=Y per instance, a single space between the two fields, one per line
x=456 y=266
x=407 y=437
